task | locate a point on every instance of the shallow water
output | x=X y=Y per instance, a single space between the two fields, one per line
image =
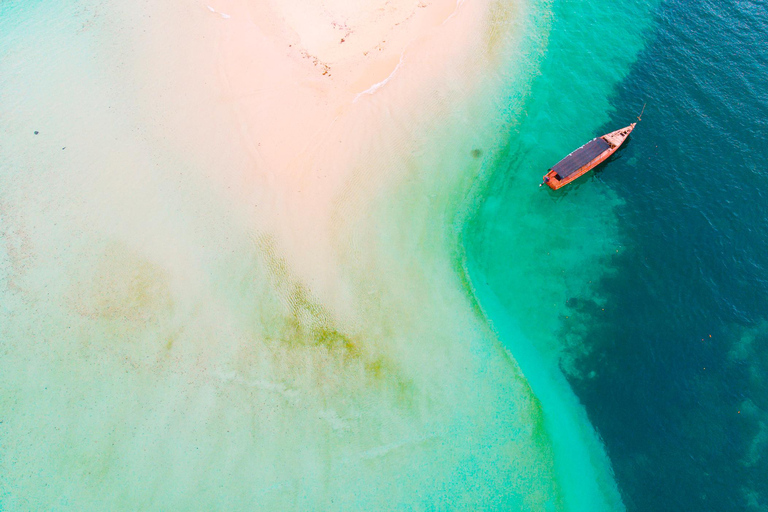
x=529 y=249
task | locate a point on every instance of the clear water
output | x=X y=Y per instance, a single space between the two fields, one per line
x=647 y=284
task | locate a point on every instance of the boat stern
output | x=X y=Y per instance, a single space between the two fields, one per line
x=552 y=180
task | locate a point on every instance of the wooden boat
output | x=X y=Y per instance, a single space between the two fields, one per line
x=586 y=158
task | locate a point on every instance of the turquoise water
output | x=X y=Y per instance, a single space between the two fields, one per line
x=655 y=267
x=529 y=248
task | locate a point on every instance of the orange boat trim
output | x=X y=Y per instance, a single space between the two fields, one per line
x=615 y=139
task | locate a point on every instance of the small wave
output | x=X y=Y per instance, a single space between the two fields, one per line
x=377 y=85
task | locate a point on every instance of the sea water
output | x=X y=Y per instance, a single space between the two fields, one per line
x=645 y=281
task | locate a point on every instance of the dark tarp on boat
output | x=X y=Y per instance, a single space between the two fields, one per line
x=580 y=157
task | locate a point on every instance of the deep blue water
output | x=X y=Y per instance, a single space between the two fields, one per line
x=679 y=389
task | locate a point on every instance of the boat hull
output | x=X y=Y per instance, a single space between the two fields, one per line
x=613 y=139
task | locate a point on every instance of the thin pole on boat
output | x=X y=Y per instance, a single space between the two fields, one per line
x=641 y=113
